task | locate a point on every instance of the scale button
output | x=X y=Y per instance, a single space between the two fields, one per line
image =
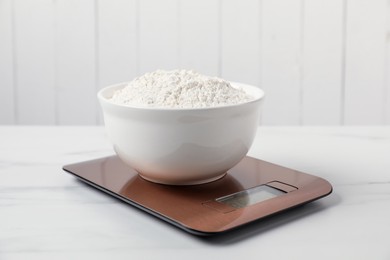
x=282 y=186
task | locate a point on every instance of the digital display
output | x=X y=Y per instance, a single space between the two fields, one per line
x=250 y=196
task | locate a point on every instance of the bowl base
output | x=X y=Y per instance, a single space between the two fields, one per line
x=180 y=183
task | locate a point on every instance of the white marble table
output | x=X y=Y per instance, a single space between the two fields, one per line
x=46 y=213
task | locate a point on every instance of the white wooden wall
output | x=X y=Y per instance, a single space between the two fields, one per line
x=320 y=62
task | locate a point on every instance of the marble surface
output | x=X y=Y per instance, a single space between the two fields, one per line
x=46 y=213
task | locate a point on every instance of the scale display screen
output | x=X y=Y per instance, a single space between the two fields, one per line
x=250 y=196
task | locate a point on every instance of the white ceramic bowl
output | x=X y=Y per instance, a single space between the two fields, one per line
x=181 y=146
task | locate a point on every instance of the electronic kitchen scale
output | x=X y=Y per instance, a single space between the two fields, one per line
x=252 y=190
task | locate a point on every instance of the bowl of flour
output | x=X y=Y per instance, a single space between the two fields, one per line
x=180 y=127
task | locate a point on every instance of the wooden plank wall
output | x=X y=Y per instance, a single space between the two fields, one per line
x=321 y=62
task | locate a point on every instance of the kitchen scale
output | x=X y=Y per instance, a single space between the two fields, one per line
x=250 y=191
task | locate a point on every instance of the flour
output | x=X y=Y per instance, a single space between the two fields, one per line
x=179 y=89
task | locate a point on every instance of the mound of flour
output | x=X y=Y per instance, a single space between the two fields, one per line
x=179 y=89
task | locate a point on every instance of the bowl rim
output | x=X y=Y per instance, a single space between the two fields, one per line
x=259 y=96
